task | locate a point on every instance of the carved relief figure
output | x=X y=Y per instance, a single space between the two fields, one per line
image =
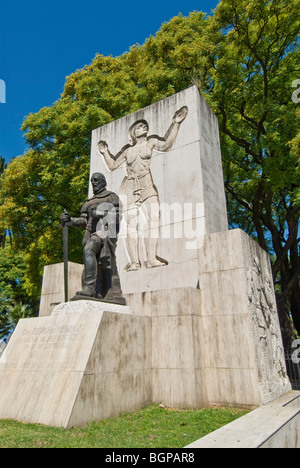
x=142 y=195
x=268 y=342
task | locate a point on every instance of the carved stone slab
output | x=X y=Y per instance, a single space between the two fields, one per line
x=80 y=364
x=171 y=185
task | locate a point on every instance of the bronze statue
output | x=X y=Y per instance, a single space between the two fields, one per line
x=100 y=217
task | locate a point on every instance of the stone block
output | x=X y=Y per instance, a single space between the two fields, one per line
x=176 y=388
x=275 y=425
x=227 y=331
x=185 y=347
x=53 y=291
x=80 y=364
x=243 y=353
x=177 y=301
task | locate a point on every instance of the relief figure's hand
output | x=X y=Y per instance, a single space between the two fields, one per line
x=180 y=115
x=102 y=147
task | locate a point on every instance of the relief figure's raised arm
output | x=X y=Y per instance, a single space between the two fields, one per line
x=113 y=162
x=166 y=143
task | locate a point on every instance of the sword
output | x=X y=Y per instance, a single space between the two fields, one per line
x=66 y=263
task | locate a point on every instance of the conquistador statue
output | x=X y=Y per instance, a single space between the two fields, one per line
x=100 y=217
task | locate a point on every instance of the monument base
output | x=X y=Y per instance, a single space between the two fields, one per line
x=80 y=364
x=219 y=345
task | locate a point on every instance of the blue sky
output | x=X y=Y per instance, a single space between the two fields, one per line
x=43 y=42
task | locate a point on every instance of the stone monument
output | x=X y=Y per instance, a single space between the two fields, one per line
x=200 y=326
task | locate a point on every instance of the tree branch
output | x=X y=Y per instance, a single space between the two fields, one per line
x=240 y=141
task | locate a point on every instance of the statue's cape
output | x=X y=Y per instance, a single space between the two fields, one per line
x=104 y=194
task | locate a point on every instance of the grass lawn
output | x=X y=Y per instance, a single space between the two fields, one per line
x=151 y=427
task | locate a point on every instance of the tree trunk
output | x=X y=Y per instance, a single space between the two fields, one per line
x=295 y=307
x=287 y=330
x=287 y=264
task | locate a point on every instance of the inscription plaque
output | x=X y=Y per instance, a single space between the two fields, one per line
x=50 y=343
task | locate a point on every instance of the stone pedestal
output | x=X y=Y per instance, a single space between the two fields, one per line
x=219 y=344
x=244 y=361
x=85 y=362
x=53 y=285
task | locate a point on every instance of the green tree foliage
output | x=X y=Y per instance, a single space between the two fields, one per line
x=14 y=300
x=244 y=58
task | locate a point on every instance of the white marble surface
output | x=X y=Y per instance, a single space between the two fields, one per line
x=189 y=181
